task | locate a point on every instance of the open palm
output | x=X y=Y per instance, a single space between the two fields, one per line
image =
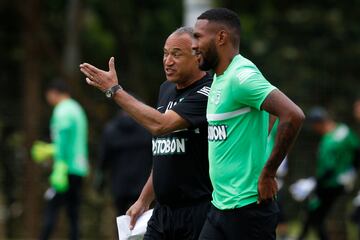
x=98 y=78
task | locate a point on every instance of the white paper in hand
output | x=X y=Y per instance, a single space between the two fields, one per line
x=123 y=223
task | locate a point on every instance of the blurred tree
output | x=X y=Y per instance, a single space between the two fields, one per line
x=307 y=48
x=31 y=108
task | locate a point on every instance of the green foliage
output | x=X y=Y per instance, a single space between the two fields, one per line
x=96 y=38
x=308 y=49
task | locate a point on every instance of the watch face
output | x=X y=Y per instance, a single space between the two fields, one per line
x=108 y=94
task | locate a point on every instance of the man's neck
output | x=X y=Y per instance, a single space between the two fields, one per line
x=330 y=126
x=62 y=98
x=196 y=77
x=224 y=60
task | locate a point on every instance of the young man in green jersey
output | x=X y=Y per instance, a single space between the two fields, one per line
x=238 y=110
x=69 y=151
x=336 y=157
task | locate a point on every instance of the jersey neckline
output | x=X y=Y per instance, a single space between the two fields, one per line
x=229 y=67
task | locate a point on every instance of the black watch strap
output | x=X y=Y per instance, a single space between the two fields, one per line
x=111 y=91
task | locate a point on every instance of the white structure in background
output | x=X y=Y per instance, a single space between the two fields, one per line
x=193 y=8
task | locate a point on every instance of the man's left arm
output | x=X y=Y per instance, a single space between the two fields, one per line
x=291 y=118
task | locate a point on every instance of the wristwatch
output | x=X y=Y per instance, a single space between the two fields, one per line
x=109 y=93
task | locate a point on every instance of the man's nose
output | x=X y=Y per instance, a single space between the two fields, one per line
x=168 y=60
x=194 y=47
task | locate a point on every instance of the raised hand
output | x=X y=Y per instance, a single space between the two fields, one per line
x=98 y=78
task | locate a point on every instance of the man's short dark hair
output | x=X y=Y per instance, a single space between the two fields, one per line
x=58 y=85
x=226 y=17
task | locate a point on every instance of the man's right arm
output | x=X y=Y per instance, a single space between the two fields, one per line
x=157 y=123
x=146 y=197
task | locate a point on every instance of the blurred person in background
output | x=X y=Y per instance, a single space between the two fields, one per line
x=355 y=216
x=69 y=152
x=334 y=168
x=357 y=110
x=180 y=175
x=125 y=152
x=9 y=168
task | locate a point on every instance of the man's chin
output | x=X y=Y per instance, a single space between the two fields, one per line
x=205 y=67
x=172 y=79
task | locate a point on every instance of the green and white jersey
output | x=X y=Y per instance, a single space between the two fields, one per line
x=336 y=154
x=237 y=133
x=69 y=134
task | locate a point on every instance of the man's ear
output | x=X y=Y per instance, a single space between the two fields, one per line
x=221 y=37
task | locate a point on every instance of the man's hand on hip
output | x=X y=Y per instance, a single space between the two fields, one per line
x=267 y=187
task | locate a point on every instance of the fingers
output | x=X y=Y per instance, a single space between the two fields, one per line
x=90 y=79
x=92 y=83
x=86 y=73
x=90 y=73
x=267 y=195
x=133 y=212
x=133 y=219
x=90 y=68
x=267 y=189
x=99 y=78
x=112 y=64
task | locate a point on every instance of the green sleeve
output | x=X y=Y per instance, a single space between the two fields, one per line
x=62 y=133
x=251 y=88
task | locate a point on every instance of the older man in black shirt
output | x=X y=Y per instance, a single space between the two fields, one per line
x=179 y=180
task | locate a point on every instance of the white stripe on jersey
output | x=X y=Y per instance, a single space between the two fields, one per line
x=204 y=91
x=245 y=74
x=227 y=115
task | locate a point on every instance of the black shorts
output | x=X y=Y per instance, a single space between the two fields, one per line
x=183 y=223
x=252 y=222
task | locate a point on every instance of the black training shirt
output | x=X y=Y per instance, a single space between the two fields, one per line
x=181 y=167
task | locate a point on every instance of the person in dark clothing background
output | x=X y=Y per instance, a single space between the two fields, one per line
x=355 y=215
x=125 y=157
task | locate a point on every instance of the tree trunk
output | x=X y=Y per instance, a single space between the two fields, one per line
x=71 y=49
x=31 y=111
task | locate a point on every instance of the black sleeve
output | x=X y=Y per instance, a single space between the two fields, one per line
x=193 y=108
x=101 y=163
x=356 y=160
